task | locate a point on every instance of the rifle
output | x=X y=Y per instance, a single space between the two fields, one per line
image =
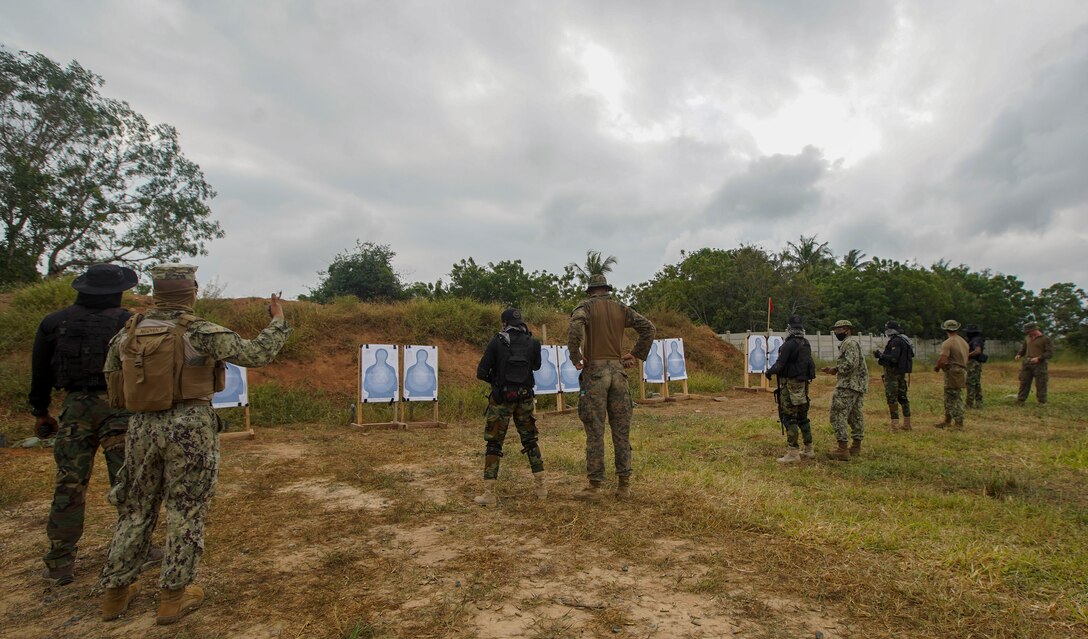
x=778 y=402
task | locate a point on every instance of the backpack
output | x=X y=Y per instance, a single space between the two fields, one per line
x=82 y=343
x=517 y=368
x=154 y=373
x=906 y=356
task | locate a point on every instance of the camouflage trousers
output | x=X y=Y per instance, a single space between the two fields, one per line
x=846 y=411
x=793 y=411
x=605 y=395
x=953 y=404
x=171 y=457
x=86 y=422
x=1039 y=373
x=974 y=383
x=498 y=421
x=895 y=391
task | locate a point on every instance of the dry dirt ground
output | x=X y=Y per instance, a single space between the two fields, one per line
x=341 y=533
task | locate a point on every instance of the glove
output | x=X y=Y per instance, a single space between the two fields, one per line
x=45 y=426
x=768 y=374
x=876 y=354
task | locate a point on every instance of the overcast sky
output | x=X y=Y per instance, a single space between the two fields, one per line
x=538 y=130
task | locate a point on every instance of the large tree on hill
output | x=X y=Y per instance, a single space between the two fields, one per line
x=594 y=265
x=366 y=273
x=85 y=179
x=808 y=255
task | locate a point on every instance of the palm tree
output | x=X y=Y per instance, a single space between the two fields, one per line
x=854 y=260
x=807 y=254
x=594 y=265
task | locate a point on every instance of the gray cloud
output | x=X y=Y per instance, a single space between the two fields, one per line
x=775 y=187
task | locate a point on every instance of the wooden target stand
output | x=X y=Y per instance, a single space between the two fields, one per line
x=248 y=433
x=764 y=383
x=398 y=421
x=666 y=395
x=560 y=401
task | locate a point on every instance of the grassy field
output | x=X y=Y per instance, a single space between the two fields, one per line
x=322 y=531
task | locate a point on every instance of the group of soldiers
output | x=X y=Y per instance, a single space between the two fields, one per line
x=960 y=360
x=140 y=387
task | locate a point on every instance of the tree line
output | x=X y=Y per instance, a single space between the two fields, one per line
x=728 y=289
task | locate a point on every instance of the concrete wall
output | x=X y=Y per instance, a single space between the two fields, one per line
x=825 y=346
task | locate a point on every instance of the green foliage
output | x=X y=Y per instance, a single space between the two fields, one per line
x=28 y=306
x=85 y=179
x=506 y=283
x=275 y=405
x=453 y=319
x=367 y=273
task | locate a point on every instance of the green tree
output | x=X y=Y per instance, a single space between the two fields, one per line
x=594 y=265
x=366 y=273
x=854 y=259
x=808 y=255
x=85 y=179
x=1062 y=308
x=506 y=282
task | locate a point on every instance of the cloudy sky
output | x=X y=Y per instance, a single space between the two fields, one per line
x=537 y=130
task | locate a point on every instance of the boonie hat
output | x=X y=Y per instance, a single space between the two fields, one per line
x=104 y=279
x=598 y=280
x=843 y=324
x=1031 y=326
x=950 y=325
x=794 y=321
x=892 y=324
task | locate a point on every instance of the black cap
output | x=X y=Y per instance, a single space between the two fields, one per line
x=794 y=321
x=104 y=279
x=892 y=324
x=512 y=317
x=972 y=328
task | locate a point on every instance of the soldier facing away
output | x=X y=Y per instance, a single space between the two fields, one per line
x=953 y=361
x=508 y=364
x=69 y=351
x=897 y=358
x=165 y=366
x=848 y=400
x=795 y=369
x=976 y=357
x=1036 y=351
x=594 y=339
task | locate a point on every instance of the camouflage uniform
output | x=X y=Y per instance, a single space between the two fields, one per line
x=604 y=395
x=86 y=423
x=851 y=384
x=953 y=361
x=498 y=417
x=974 y=383
x=794 y=409
x=172 y=456
x=895 y=392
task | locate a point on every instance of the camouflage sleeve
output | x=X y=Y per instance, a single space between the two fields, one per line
x=1048 y=349
x=576 y=333
x=645 y=329
x=224 y=344
x=850 y=358
x=1023 y=349
x=113 y=355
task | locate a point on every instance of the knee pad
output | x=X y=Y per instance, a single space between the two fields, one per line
x=494 y=448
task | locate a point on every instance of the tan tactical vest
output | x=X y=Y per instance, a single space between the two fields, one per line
x=160 y=368
x=604 y=329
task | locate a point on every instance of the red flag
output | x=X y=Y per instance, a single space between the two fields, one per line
x=770 y=307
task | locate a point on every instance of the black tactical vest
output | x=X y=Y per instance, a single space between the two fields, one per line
x=514 y=365
x=83 y=338
x=800 y=363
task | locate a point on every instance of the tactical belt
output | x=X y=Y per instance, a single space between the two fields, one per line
x=85 y=389
x=193 y=402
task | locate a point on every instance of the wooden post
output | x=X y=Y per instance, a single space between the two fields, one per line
x=359 y=388
x=642 y=385
x=746 y=347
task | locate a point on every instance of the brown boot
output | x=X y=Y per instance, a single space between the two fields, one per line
x=793 y=454
x=945 y=424
x=623 y=490
x=117 y=600
x=958 y=425
x=855 y=448
x=592 y=492
x=487 y=497
x=894 y=425
x=906 y=422
x=842 y=453
x=175 y=604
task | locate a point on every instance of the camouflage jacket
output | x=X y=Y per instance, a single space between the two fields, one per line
x=215 y=341
x=598 y=322
x=852 y=373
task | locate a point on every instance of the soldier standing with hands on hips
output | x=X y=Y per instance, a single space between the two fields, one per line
x=953 y=361
x=1036 y=351
x=166 y=366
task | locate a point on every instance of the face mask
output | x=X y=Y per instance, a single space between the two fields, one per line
x=840 y=336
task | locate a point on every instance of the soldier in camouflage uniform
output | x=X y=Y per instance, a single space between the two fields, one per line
x=507 y=365
x=1036 y=351
x=172 y=455
x=976 y=357
x=848 y=401
x=953 y=361
x=795 y=369
x=897 y=358
x=594 y=339
x=69 y=350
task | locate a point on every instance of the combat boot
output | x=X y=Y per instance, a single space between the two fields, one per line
x=842 y=453
x=541 y=489
x=175 y=604
x=945 y=424
x=855 y=448
x=487 y=498
x=117 y=600
x=793 y=454
x=623 y=490
x=894 y=424
x=153 y=558
x=807 y=452
x=958 y=425
x=906 y=422
x=61 y=576
x=592 y=492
